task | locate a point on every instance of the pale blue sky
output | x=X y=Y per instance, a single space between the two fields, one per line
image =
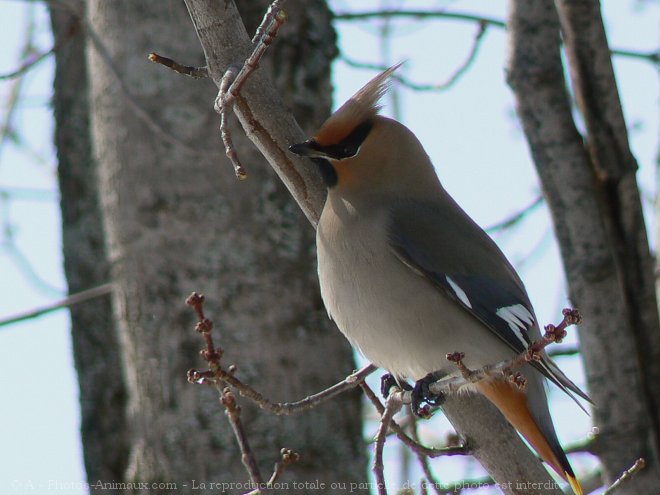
x=470 y=132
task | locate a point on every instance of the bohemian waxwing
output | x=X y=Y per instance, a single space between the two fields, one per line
x=408 y=277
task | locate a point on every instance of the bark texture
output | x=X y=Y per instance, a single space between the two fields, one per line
x=177 y=220
x=595 y=204
x=95 y=342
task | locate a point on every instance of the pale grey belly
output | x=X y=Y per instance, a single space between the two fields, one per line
x=395 y=317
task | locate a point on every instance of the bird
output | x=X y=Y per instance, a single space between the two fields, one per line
x=409 y=277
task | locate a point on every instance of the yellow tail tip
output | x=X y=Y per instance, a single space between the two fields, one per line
x=575 y=484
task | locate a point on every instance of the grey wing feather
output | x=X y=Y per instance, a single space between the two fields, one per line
x=442 y=244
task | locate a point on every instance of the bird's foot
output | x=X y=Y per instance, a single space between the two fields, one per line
x=388 y=380
x=423 y=398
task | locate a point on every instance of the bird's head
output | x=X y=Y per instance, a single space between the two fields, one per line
x=356 y=148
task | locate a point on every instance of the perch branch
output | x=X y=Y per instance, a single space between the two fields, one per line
x=626 y=476
x=505 y=369
x=415 y=446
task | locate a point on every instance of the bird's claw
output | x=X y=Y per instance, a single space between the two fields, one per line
x=388 y=380
x=422 y=397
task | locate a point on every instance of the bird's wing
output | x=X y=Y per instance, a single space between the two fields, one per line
x=442 y=244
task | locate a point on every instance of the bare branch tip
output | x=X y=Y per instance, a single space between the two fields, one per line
x=455 y=357
x=195 y=299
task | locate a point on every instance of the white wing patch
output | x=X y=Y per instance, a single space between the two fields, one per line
x=460 y=293
x=519 y=318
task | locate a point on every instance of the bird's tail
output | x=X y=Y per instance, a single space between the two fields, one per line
x=513 y=403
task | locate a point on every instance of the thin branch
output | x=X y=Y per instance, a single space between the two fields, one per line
x=77 y=298
x=415 y=446
x=24 y=264
x=288 y=457
x=653 y=56
x=394 y=404
x=274 y=10
x=505 y=369
x=216 y=373
x=133 y=102
x=223 y=109
x=186 y=70
x=423 y=459
x=234 y=78
x=33 y=61
x=626 y=476
x=274 y=19
x=564 y=351
x=418 y=14
x=233 y=412
x=443 y=86
x=516 y=218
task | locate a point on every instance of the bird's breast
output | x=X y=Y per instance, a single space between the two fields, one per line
x=394 y=316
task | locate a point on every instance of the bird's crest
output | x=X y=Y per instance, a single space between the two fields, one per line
x=360 y=107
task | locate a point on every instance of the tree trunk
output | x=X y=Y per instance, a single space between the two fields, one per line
x=596 y=210
x=95 y=343
x=177 y=220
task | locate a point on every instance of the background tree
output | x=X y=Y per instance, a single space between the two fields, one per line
x=176 y=220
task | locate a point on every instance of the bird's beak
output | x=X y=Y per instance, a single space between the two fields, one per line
x=309 y=148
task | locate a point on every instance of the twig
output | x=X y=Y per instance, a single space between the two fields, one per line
x=186 y=70
x=626 y=476
x=516 y=217
x=217 y=373
x=423 y=459
x=71 y=300
x=285 y=408
x=234 y=78
x=133 y=102
x=288 y=457
x=222 y=107
x=408 y=441
x=455 y=76
x=274 y=9
x=35 y=60
x=652 y=57
x=504 y=369
x=394 y=404
x=247 y=457
x=275 y=17
x=419 y=14
x=564 y=351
